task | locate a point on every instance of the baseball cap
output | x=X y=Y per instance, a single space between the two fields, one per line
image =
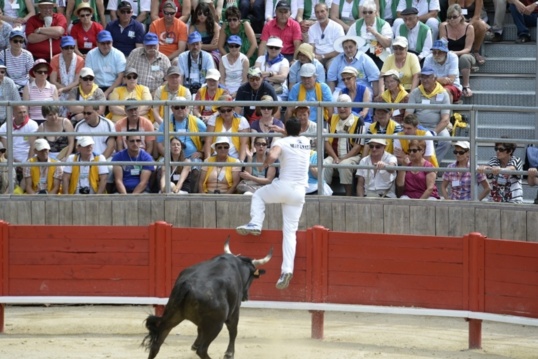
x=130 y=70
x=283 y=4
x=194 y=37
x=104 y=36
x=381 y=141
x=463 y=144
x=234 y=39
x=173 y=70
x=151 y=39
x=131 y=105
x=41 y=144
x=307 y=70
x=85 y=141
x=125 y=5
x=16 y=33
x=86 y=71
x=212 y=74
x=400 y=41
x=440 y=45
x=427 y=71
x=275 y=42
x=170 y=5
x=254 y=71
x=67 y=41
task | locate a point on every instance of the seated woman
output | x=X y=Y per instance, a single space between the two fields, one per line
x=394 y=93
x=130 y=90
x=253 y=178
x=66 y=68
x=460 y=36
x=504 y=187
x=86 y=90
x=460 y=182
x=405 y=63
x=356 y=91
x=233 y=66
x=228 y=122
x=39 y=89
x=267 y=122
x=305 y=55
x=275 y=67
x=210 y=91
x=60 y=146
x=85 y=30
x=5 y=175
x=416 y=184
x=204 y=22
x=179 y=175
x=233 y=25
x=376 y=32
x=217 y=179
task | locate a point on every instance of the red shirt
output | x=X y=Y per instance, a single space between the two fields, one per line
x=41 y=50
x=290 y=33
x=86 y=40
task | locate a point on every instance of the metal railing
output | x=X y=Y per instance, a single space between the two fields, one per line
x=320 y=136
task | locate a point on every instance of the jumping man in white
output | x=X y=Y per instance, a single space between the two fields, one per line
x=293 y=152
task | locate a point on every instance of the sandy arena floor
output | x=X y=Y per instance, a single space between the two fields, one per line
x=117 y=331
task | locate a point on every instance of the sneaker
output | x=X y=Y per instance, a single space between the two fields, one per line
x=250 y=228
x=523 y=39
x=493 y=37
x=284 y=281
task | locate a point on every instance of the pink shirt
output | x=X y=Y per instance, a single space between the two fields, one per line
x=290 y=33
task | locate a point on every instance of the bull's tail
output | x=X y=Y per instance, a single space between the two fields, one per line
x=153 y=323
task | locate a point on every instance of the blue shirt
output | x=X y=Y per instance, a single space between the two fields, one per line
x=294 y=72
x=368 y=71
x=106 y=68
x=126 y=40
x=182 y=126
x=198 y=69
x=311 y=96
x=131 y=174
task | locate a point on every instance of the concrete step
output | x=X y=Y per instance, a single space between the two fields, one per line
x=501 y=98
x=509 y=50
x=503 y=65
x=513 y=120
x=490 y=82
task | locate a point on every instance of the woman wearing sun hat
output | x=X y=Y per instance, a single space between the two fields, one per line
x=39 y=89
x=233 y=66
x=85 y=30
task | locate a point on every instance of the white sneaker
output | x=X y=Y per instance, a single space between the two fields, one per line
x=284 y=280
x=250 y=228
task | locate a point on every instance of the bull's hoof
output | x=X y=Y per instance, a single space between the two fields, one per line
x=228 y=355
x=194 y=347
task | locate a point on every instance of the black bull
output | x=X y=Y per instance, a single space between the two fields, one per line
x=209 y=294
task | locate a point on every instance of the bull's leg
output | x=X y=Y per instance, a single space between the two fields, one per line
x=198 y=340
x=231 y=324
x=164 y=327
x=208 y=331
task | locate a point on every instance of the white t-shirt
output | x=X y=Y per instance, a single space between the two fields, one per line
x=274 y=67
x=294 y=159
x=243 y=125
x=21 y=145
x=105 y=125
x=234 y=73
x=84 y=177
x=423 y=6
x=323 y=41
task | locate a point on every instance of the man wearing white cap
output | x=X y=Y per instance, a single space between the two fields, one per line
x=310 y=90
x=42 y=180
x=377 y=182
x=79 y=179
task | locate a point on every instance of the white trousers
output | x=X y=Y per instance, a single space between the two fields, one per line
x=292 y=197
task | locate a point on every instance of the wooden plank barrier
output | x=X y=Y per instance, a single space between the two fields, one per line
x=471 y=277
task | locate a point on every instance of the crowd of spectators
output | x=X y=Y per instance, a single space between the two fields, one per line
x=345 y=51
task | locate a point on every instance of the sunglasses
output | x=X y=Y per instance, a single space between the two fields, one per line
x=273 y=48
x=414 y=150
x=205 y=13
x=228 y=110
x=398 y=48
x=126 y=12
x=453 y=17
x=87 y=113
x=179 y=107
x=500 y=149
x=375 y=146
x=370 y=12
x=131 y=77
x=459 y=152
x=267 y=108
x=87 y=78
x=84 y=15
x=137 y=141
x=169 y=13
x=18 y=41
x=2 y=71
x=234 y=46
x=233 y=19
x=260 y=144
x=346 y=78
x=68 y=48
x=222 y=147
x=41 y=72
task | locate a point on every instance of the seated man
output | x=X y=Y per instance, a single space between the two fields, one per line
x=193 y=64
x=410 y=126
x=426 y=11
x=445 y=65
x=524 y=13
x=323 y=34
x=42 y=180
x=44 y=39
x=93 y=122
x=283 y=27
x=171 y=31
x=171 y=89
x=85 y=179
x=310 y=90
x=344 y=151
x=418 y=34
x=126 y=31
x=133 y=179
x=134 y=122
x=253 y=90
x=377 y=182
x=383 y=125
x=435 y=120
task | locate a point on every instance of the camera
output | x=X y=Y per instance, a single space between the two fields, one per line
x=194 y=87
x=216 y=191
x=43 y=191
x=84 y=190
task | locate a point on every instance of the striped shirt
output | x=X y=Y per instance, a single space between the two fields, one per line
x=506 y=188
x=48 y=93
x=18 y=67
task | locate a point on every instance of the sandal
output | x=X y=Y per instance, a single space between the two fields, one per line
x=479 y=59
x=466 y=92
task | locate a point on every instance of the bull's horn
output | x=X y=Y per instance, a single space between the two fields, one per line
x=227 y=246
x=259 y=262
